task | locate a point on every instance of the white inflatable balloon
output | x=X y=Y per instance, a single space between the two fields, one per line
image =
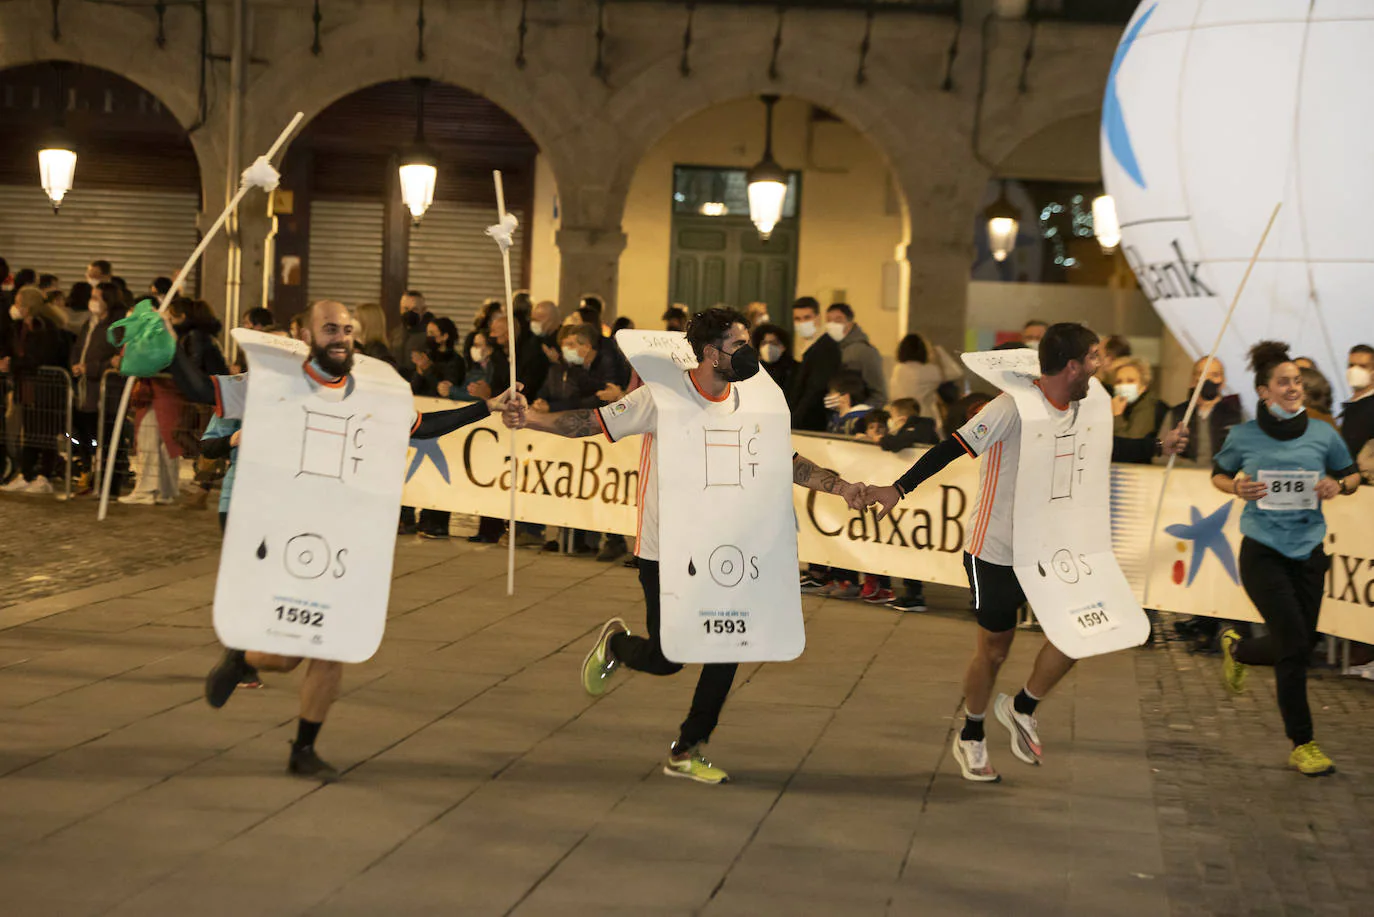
x=1215 y=111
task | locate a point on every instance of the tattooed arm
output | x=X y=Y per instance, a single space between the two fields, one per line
x=808 y=474
x=572 y=424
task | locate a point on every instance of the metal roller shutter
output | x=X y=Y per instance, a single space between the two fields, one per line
x=144 y=234
x=455 y=263
x=345 y=251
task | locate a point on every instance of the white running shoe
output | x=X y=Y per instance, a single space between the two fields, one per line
x=138 y=498
x=973 y=760
x=17 y=485
x=1025 y=741
x=39 y=485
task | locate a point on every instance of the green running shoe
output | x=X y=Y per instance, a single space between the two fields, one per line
x=600 y=663
x=1311 y=761
x=692 y=765
x=1232 y=673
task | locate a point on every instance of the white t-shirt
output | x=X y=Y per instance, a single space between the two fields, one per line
x=994 y=433
x=637 y=414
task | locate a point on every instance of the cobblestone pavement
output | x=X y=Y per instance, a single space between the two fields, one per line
x=48 y=547
x=1241 y=833
x=481 y=780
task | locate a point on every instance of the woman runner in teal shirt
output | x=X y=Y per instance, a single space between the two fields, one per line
x=1282 y=466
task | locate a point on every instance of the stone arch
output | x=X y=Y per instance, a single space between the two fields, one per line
x=548 y=106
x=127 y=49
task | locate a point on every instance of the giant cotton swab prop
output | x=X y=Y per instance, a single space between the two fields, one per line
x=1197 y=390
x=259 y=175
x=502 y=232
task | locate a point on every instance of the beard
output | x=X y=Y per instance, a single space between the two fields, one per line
x=1080 y=389
x=332 y=365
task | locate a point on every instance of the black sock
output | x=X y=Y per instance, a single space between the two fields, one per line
x=306 y=732
x=1024 y=704
x=973 y=728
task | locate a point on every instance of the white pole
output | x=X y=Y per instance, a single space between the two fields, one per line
x=162 y=308
x=510 y=348
x=1197 y=390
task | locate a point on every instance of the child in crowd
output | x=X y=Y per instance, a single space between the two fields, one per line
x=845 y=401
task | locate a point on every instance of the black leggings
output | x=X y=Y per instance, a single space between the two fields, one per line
x=1288 y=595
x=645 y=654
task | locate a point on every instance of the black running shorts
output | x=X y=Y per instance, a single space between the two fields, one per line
x=997 y=594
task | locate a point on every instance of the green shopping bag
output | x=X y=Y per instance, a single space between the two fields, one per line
x=148 y=346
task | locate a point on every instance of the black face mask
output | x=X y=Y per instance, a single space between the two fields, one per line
x=410 y=319
x=744 y=363
x=1210 y=390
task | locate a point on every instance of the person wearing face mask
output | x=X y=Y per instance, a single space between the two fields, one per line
x=544 y=321
x=567 y=387
x=1357 y=414
x=1032 y=332
x=856 y=353
x=36 y=341
x=720 y=340
x=1136 y=409
x=820 y=360
x=771 y=343
x=409 y=334
x=1215 y=415
x=1284 y=466
x=92 y=355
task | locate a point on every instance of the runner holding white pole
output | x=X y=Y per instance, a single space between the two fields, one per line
x=502 y=233
x=1197 y=390
x=259 y=175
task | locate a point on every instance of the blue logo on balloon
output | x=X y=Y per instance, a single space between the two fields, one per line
x=1113 y=119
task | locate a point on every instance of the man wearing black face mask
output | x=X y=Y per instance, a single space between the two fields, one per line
x=409 y=334
x=720 y=341
x=1216 y=414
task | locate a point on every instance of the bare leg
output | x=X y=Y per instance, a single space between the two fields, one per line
x=1050 y=668
x=320 y=689
x=269 y=662
x=987 y=661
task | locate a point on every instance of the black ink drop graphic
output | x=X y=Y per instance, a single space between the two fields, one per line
x=1041 y=567
x=691 y=567
x=262 y=549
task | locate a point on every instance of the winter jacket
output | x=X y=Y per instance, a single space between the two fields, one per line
x=444 y=366
x=917 y=431
x=1141 y=418
x=1357 y=423
x=858 y=354
x=568 y=388
x=95 y=354
x=781 y=370
x=34 y=344
x=1225 y=414
x=810 y=382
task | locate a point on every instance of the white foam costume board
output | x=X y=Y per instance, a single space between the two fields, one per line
x=727 y=531
x=1061 y=527
x=305 y=569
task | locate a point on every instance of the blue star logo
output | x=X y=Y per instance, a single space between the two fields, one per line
x=1207 y=535
x=428 y=449
x=1113 y=119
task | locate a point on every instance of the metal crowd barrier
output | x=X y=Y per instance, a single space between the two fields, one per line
x=37 y=422
x=148 y=456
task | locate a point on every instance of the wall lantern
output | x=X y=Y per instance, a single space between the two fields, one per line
x=1003 y=223
x=1106 y=226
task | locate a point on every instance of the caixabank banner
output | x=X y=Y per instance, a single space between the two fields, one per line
x=592 y=484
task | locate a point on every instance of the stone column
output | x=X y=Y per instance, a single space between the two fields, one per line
x=590 y=263
x=938 y=304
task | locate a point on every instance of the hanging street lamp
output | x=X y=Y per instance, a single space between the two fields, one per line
x=419 y=165
x=1003 y=223
x=57 y=154
x=767 y=181
x=1106 y=225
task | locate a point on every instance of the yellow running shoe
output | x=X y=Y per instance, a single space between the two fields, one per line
x=1232 y=673
x=1311 y=760
x=690 y=764
x=601 y=663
